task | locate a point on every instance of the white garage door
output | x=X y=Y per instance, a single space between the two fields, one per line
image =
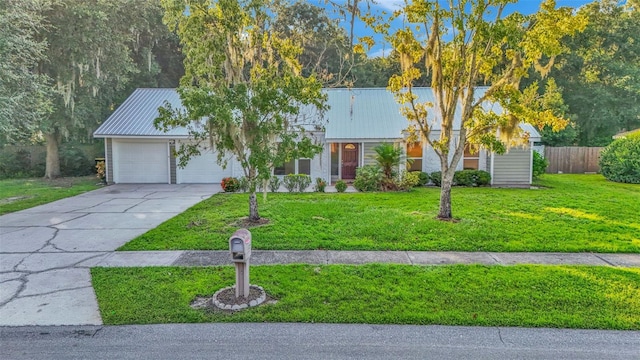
x=202 y=169
x=140 y=162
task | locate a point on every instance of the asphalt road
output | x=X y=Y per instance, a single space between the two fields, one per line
x=313 y=341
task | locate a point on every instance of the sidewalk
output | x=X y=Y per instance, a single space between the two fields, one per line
x=328 y=257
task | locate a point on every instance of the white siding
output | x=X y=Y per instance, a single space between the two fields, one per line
x=513 y=167
x=203 y=169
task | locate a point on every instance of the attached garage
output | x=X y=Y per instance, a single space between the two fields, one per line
x=202 y=169
x=139 y=161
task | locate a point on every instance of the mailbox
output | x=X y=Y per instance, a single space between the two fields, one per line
x=240 y=245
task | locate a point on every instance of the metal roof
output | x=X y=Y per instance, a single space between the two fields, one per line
x=354 y=114
x=136 y=115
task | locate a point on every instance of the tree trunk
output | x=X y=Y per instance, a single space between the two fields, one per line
x=253 y=207
x=52 y=167
x=445 y=196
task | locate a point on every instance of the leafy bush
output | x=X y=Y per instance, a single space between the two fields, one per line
x=230 y=184
x=539 y=164
x=341 y=186
x=408 y=180
x=321 y=184
x=15 y=165
x=303 y=182
x=274 y=183
x=368 y=178
x=464 y=178
x=290 y=182
x=482 y=178
x=423 y=178
x=436 y=178
x=73 y=162
x=620 y=161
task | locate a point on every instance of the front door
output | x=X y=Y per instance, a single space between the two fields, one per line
x=349 y=161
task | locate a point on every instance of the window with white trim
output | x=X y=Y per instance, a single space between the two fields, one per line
x=414 y=154
x=295 y=166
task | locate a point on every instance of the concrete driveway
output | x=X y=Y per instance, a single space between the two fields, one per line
x=46 y=251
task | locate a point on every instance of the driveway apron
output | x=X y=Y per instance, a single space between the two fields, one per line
x=46 y=251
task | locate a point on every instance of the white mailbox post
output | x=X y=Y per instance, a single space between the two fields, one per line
x=240 y=247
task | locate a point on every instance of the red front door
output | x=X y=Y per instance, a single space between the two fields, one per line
x=349 y=160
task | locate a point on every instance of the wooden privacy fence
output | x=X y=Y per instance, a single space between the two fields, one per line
x=572 y=160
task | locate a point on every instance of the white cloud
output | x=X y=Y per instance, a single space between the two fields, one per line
x=391 y=5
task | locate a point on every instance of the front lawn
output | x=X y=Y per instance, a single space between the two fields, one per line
x=569 y=213
x=20 y=194
x=529 y=296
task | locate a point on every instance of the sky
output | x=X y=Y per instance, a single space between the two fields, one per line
x=382 y=49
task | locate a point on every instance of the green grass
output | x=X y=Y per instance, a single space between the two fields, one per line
x=20 y=194
x=529 y=296
x=571 y=213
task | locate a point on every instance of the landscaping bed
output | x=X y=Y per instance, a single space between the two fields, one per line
x=565 y=213
x=526 y=295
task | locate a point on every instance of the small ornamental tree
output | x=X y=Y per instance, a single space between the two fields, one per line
x=466 y=43
x=243 y=90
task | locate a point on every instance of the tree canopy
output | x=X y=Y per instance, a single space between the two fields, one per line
x=244 y=85
x=464 y=44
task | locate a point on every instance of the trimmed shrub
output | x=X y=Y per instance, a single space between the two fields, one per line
x=303 y=182
x=483 y=178
x=341 y=186
x=620 y=161
x=436 y=178
x=539 y=164
x=290 y=182
x=230 y=184
x=368 y=178
x=408 y=180
x=423 y=178
x=274 y=183
x=321 y=184
x=464 y=178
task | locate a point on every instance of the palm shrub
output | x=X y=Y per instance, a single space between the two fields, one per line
x=388 y=157
x=620 y=161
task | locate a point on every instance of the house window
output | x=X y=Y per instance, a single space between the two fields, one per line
x=299 y=166
x=304 y=166
x=335 y=158
x=414 y=153
x=471 y=157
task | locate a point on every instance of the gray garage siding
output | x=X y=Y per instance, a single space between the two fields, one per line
x=512 y=168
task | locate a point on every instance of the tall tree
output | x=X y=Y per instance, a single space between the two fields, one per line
x=464 y=44
x=243 y=85
x=23 y=93
x=601 y=70
x=88 y=62
x=325 y=47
